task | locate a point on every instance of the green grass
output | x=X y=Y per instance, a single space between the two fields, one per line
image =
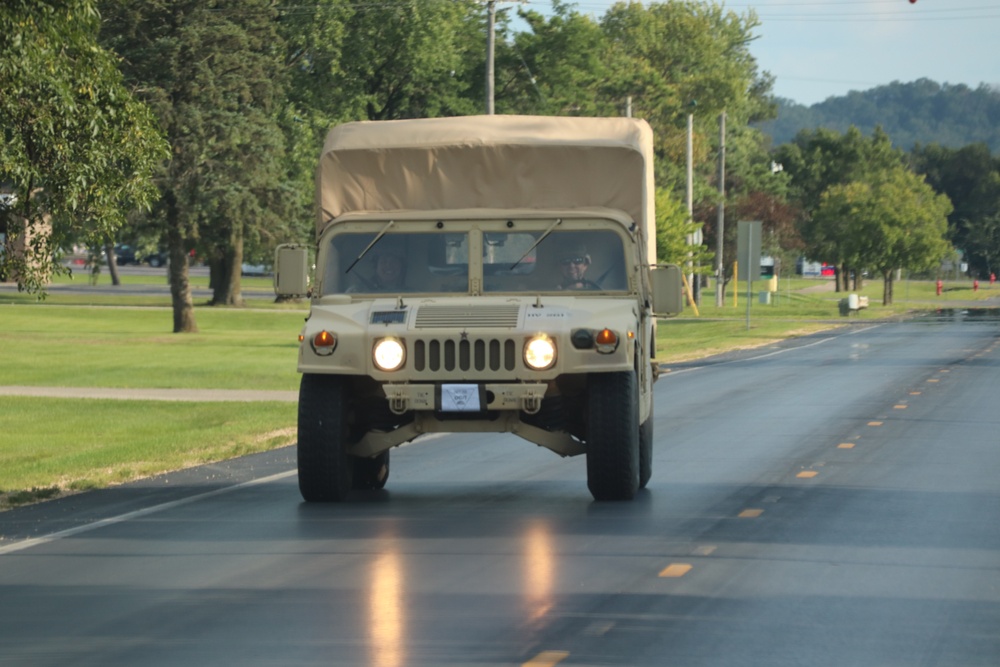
x=49 y=446
x=45 y=345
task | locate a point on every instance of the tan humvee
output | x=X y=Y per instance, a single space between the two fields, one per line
x=487 y=273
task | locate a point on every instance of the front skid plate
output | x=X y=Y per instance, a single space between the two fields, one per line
x=509 y=421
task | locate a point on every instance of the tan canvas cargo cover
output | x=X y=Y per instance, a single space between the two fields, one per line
x=489 y=162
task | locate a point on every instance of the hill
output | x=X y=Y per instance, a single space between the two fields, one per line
x=921 y=112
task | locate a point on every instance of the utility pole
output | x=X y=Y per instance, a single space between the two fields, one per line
x=491 y=11
x=720 y=231
x=692 y=238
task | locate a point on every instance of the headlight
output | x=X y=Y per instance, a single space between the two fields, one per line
x=389 y=354
x=540 y=353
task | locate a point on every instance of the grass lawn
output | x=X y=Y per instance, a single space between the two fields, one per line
x=49 y=446
x=66 y=346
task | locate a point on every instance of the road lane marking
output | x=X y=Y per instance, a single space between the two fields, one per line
x=675 y=570
x=846 y=445
x=915 y=393
x=547 y=659
x=807 y=474
x=128 y=516
x=900 y=406
x=775 y=352
x=706 y=550
x=874 y=423
x=933 y=380
x=750 y=514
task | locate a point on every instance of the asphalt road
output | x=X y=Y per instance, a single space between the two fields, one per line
x=835 y=502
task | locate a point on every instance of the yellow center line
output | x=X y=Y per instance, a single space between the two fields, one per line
x=933 y=380
x=807 y=474
x=915 y=393
x=874 y=423
x=846 y=445
x=901 y=406
x=547 y=659
x=675 y=570
x=750 y=514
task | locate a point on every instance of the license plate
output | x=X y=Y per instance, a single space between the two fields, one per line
x=461 y=398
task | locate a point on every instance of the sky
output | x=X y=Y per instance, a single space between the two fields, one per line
x=826 y=48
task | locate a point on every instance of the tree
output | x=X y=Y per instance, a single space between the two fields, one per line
x=820 y=159
x=408 y=59
x=892 y=220
x=673 y=229
x=214 y=75
x=78 y=148
x=970 y=176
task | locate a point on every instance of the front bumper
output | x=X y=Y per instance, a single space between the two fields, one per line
x=525 y=397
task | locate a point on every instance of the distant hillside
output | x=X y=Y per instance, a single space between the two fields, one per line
x=922 y=112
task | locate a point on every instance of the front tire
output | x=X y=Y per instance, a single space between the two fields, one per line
x=325 y=468
x=613 y=436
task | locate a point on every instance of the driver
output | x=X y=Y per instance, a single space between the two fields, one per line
x=573 y=264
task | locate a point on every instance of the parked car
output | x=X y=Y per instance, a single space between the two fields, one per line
x=125 y=254
x=156 y=259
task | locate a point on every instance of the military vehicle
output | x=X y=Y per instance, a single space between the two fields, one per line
x=480 y=274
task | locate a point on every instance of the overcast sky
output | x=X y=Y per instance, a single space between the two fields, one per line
x=821 y=48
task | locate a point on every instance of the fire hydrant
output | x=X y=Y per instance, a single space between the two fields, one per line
x=975 y=285
x=993 y=279
x=940 y=286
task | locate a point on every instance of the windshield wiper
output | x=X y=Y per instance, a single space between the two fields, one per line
x=536 y=243
x=378 y=237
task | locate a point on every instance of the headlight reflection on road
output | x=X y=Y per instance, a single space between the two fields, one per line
x=538 y=572
x=387 y=610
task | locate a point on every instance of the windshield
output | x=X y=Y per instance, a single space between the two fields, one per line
x=543 y=258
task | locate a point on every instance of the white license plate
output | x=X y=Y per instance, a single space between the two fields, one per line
x=461 y=398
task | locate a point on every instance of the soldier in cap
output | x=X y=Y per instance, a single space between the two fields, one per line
x=573 y=264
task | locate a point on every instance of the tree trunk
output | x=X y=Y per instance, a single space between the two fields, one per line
x=177 y=272
x=845 y=273
x=227 y=272
x=109 y=252
x=887 y=288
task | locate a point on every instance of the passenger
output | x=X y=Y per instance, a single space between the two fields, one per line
x=573 y=264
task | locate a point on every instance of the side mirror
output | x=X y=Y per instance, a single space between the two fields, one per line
x=291 y=270
x=668 y=293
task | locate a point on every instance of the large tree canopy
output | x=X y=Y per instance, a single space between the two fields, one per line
x=78 y=149
x=889 y=221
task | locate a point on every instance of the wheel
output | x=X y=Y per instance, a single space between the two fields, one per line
x=155 y=262
x=646 y=450
x=325 y=468
x=371 y=473
x=612 y=436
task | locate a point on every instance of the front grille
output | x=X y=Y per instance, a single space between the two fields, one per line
x=468 y=316
x=481 y=354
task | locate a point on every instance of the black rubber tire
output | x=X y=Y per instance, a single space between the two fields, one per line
x=646 y=450
x=325 y=469
x=371 y=473
x=612 y=436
